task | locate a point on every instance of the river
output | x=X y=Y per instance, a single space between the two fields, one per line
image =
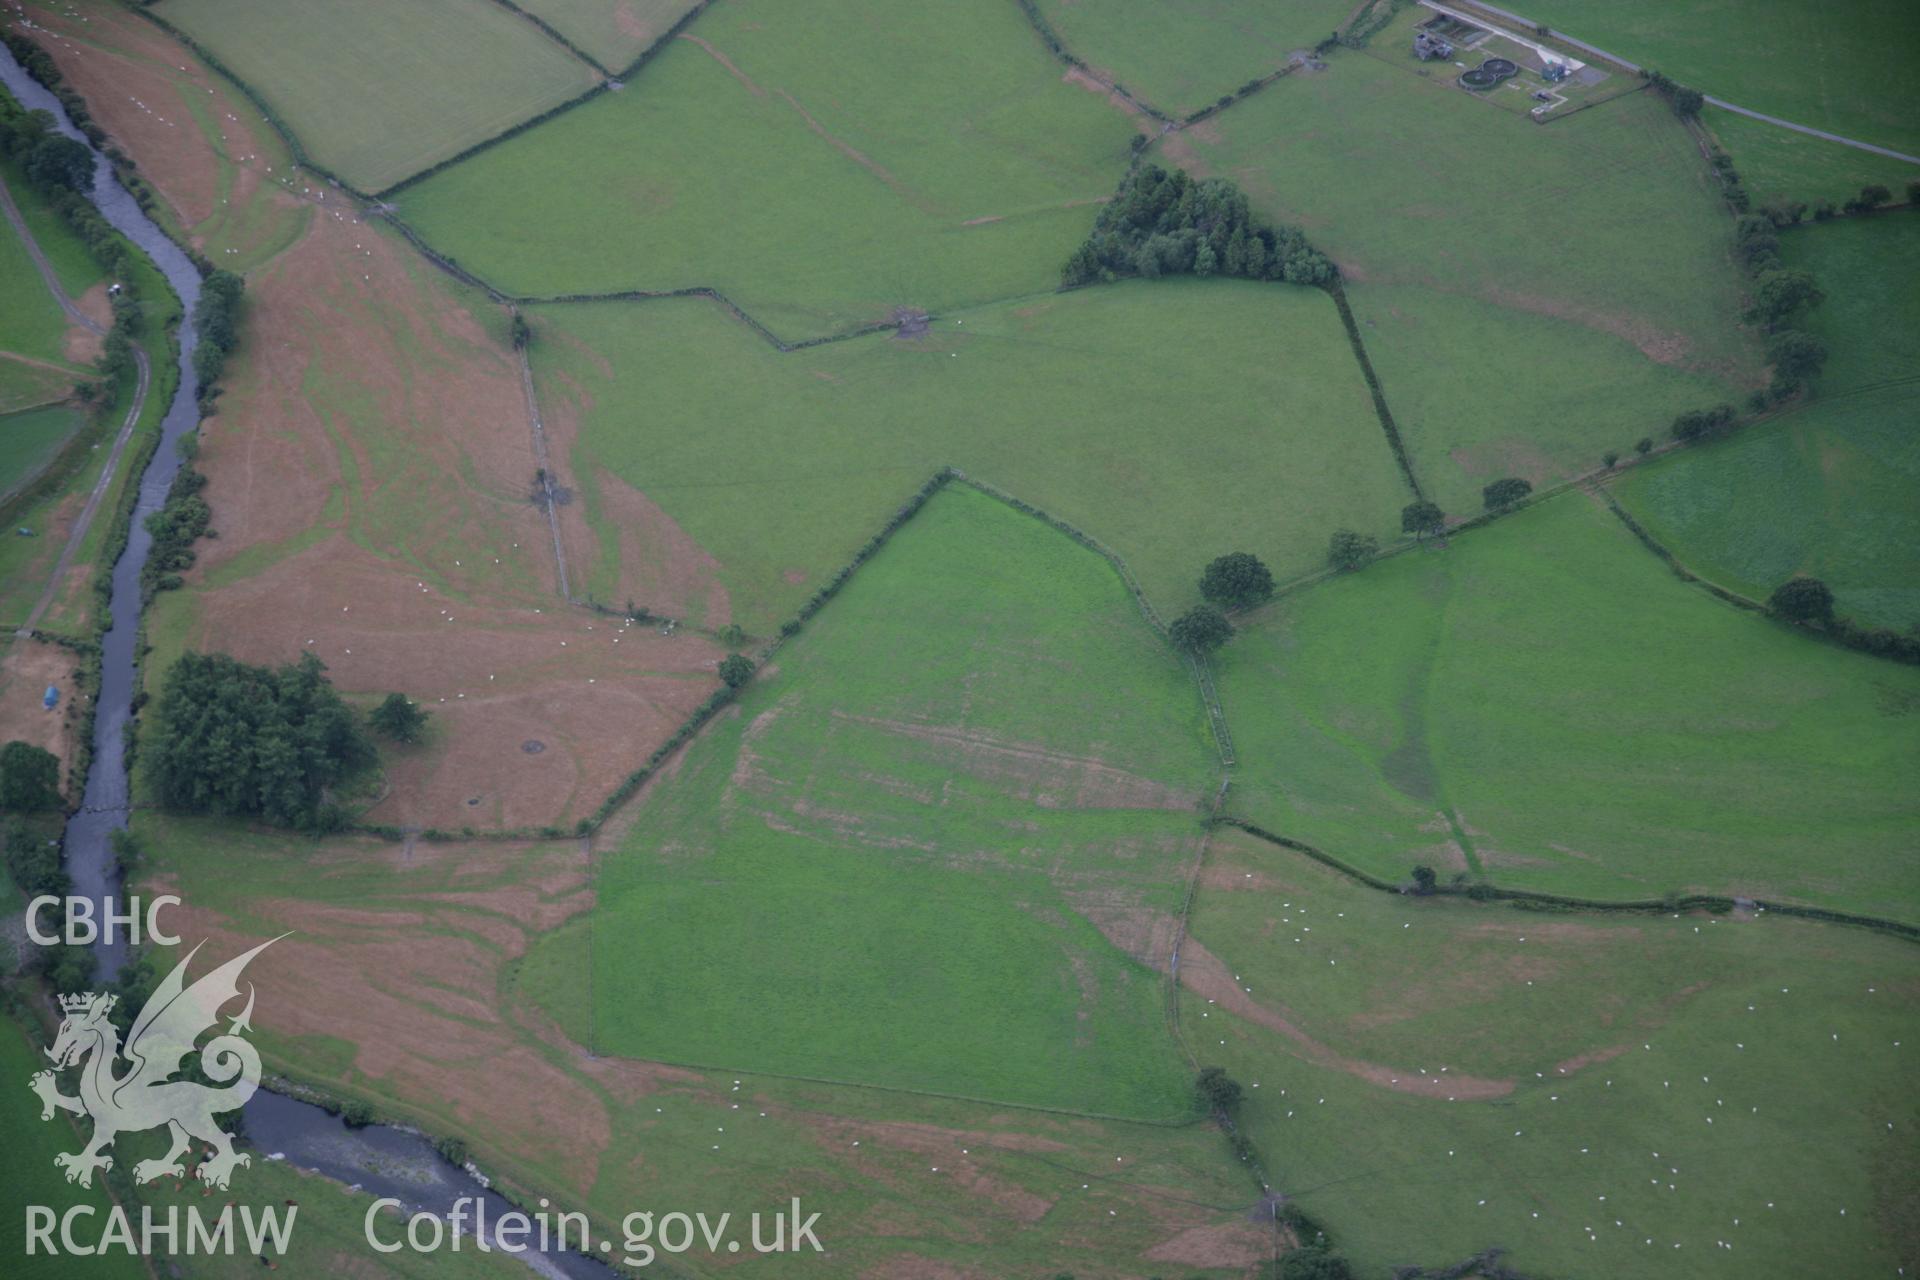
x=380 y=1159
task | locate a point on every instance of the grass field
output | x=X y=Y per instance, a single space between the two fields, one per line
x=1175 y=420
x=453 y=983
x=613 y=31
x=28 y=1175
x=1634 y=1094
x=1828 y=488
x=74 y=266
x=817 y=167
x=1406 y=179
x=26 y=386
x=1845 y=71
x=1780 y=164
x=1481 y=391
x=833 y=885
x=1182 y=56
x=26 y=562
x=28 y=440
x=376 y=93
x=1553 y=708
x=31 y=322
x=32 y=326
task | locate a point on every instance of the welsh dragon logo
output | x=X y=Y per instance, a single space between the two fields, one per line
x=146 y=1096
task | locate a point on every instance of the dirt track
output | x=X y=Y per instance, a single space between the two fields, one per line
x=143 y=379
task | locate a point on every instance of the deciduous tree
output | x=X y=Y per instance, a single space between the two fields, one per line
x=1201 y=629
x=1237 y=580
x=1802 y=599
x=1348 y=551
x=29 y=778
x=1422 y=518
x=398 y=718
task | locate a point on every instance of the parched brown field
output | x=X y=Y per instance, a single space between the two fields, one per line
x=370 y=470
x=27 y=667
x=216 y=165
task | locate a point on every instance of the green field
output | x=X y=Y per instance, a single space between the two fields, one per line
x=29 y=440
x=26 y=562
x=378 y=92
x=894 y=864
x=1674 y=1085
x=1405 y=178
x=31 y=322
x=667 y=1146
x=1481 y=391
x=1551 y=707
x=28 y=1175
x=1780 y=164
x=1845 y=70
x=1183 y=54
x=1174 y=420
x=1828 y=488
x=613 y=31
x=26 y=386
x=72 y=263
x=818 y=167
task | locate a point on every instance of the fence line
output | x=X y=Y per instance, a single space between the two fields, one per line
x=1483 y=892
x=1203 y=679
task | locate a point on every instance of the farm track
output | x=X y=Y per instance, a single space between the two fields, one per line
x=546 y=472
x=144 y=370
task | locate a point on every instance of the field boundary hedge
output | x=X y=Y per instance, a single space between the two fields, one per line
x=1058 y=48
x=1718 y=904
x=547 y=29
x=1202 y=673
x=610 y=83
x=1339 y=294
x=1879 y=642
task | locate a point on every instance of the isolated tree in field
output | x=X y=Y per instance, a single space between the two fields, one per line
x=1795 y=356
x=1201 y=629
x=1424 y=879
x=1217 y=1091
x=1236 y=581
x=1801 y=599
x=1422 y=518
x=29 y=778
x=398 y=719
x=736 y=670
x=1643 y=446
x=1348 y=551
x=1505 y=492
x=1609 y=459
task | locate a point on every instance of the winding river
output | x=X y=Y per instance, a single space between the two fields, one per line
x=379 y=1159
